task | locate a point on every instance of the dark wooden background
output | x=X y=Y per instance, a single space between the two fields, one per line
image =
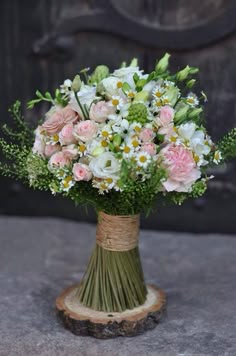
x=45 y=41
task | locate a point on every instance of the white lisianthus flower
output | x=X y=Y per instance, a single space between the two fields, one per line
x=104 y=166
x=86 y=96
x=186 y=131
x=110 y=86
x=125 y=71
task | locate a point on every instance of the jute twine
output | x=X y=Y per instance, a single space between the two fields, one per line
x=117 y=232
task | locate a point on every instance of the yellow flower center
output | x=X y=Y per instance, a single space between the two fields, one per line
x=126 y=149
x=135 y=143
x=115 y=102
x=173 y=139
x=158 y=103
x=137 y=129
x=158 y=94
x=82 y=148
x=104 y=143
x=217 y=156
x=109 y=180
x=105 y=133
x=131 y=95
x=119 y=85
x=190 y=100
x=103 y=186
x=166 y=101
x=196 y=158
x=55 y=138
x=143 y=159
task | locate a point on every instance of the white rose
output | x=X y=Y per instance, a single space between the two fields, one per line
x=104 y=166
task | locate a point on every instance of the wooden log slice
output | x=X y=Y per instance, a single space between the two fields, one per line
x=84 y=321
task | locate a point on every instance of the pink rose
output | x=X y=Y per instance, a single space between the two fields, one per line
x=54 y=123
x=181 y=168
x=71 y=151
x=146 y=135
x=85 y=130
x=59 y=160
x=57 y=118
x=51 y=149
x=81 y=172
x=39 y=144
x=100 y=111
x=70 y=116
x=66 y=136
x=150 y=148
x=166 y=115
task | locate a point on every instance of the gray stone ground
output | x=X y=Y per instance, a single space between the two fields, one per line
x=39 y=257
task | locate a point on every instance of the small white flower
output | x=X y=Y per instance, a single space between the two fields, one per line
x=135 y=128
x=217 y=157
x=121 y=127
x=127 y=150
x=158 y=91
x=192 y=100
x=143 y=159
x=53 y=140
x=67 y=183
x=131 y=94
x=117 y=102
x=65 y=87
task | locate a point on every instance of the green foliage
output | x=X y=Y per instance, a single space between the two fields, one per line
x=137 y=112
x=227 y=145
x=38 y=173
x=198 y=189
x=58 y=99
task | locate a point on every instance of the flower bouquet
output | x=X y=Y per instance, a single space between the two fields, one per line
x=117 y=141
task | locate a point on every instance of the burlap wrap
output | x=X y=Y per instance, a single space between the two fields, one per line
x=117 y=232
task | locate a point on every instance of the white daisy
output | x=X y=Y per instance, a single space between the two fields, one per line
x=217 y=157
x=67 y=183
x=192 y=100
x=117 y=102
x=143 y=159
x=158 y=91
x=127 y=150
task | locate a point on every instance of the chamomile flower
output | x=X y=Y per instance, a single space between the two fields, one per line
x=168 y=83
x=131 y=94
x=200 y=161
x=67 y=183
x=135 y=128
x=101 y=185
x=106 y=133
x=165 y=100
x=53 y=140
x=61 y=173
x=143 y=159
x=121 y=127
x=134 y=142
x=192 y=100
x=117 y=102
x=158 y=91
x=217 y=157
x=127 y=150
x=82 y=149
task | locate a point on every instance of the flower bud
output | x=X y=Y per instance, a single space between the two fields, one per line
x=195 y=112
x=76 y=84
x=134 y=62
x=190 y=83
x=183 y=74
x=98 y=151
x=141 y=96
x=162 y=64
x=181 y=113
x=117 y=140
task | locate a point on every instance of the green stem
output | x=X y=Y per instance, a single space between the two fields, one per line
x=80 y=105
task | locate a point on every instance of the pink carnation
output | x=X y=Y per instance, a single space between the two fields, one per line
x=59 y=160
x=51 y=149
x=85 y=130
x=66 y=136
x=81 y=172
x=181 y=168
x=100 y=111
x=150 y=148
x=146 y=135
